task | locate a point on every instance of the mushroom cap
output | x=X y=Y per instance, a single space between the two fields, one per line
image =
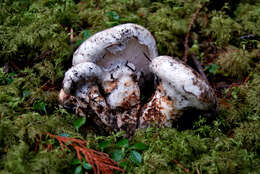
x=126 y=43
x=183 y=85
x=81 y=73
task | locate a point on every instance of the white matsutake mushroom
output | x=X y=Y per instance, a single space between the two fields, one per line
x=114 y=67
x=180 y=88
x=120 y=59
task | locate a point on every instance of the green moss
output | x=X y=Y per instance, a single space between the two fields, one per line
x=16 y=157
x=29 y=31
x=36 y=50
x=171 y=19
x=248 y=17
x=235 y=62
x=247 y=135
x=21 y=160
x=217 y=155
x=253 y=99
x=222 y=28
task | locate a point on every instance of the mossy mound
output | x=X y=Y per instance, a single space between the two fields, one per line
x=37 y=40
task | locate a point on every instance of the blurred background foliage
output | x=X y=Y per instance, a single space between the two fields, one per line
x=36 y=47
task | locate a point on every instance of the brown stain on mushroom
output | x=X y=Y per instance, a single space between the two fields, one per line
x=110 y=86
x=209 y=98
x=127 y=119
x=159 y=111
x=153 y=114
x=131 y=100
x=99 y=106
x=127 y=84
x=207 y=95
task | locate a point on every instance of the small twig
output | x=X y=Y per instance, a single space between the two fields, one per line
x=37 y=144
x=246 y=80
x=44 y=54
x=181 y=166
x=223 y=102
x=188 y=34
x=198 y=172
x=199 y=67
x=48 y=86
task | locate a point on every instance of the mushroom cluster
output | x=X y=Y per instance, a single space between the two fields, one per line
x=116 y=68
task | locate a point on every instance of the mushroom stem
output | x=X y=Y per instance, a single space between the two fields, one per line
x=159 y=111
x=123 y=96
x=121 y=86
x=98 y=104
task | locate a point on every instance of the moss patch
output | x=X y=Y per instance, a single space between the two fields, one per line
x=36 y=47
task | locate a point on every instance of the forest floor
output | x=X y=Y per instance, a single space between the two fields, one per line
x=37 y=41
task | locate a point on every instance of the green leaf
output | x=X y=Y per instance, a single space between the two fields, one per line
x=212 y=68
x=79 y=122
x=9 y=80
x=139 y=146
x=115 y=15
x=11 y=74
x=117 y=155
x=40 y=106
x=103 y=145
x=123 y=143
x=87 y=166
x=78 y=170
x=135 y=157
x=76 y=162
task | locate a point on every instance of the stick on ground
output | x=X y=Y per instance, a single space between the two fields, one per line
x=188 y=34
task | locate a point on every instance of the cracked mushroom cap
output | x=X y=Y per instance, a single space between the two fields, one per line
x=80 y=74
x=122 y=44
x=183 y=85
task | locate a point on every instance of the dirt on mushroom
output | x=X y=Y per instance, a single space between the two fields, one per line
x=36 y=49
